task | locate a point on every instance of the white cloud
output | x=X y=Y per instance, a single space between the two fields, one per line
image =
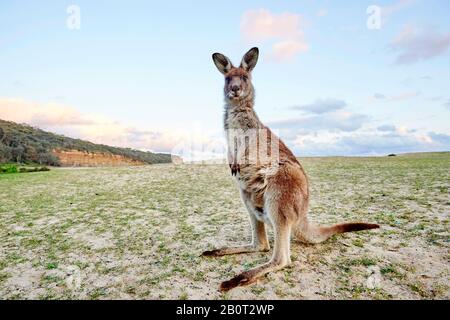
x=322 y=106
x=326 y=128
x=339 y=120
x=401 y=130
x=386 y=127
x=322 y=116
x=414 y=44
x=398 y=97
x=287 y=50
x=443 y=139
x=379 y=96
x=447 y=104
x=369 y=143
x=67 y=120
x=45 y=115
x=405 y=96
x=261 y=25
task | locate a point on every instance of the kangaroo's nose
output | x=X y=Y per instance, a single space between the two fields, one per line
x=235 y=88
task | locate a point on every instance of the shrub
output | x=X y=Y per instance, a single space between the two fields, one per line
x=36 y=169
x=8 y=169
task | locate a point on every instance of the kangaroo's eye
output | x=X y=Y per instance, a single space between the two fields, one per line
x=245 y=78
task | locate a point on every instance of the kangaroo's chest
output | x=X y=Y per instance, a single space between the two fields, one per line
x=254 y=179
x=243 y=133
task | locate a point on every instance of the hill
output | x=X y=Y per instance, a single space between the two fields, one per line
x=25 y=144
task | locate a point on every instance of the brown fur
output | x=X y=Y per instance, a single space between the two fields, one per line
x=274 y=189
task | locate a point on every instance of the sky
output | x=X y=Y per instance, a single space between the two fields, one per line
x=360 y=78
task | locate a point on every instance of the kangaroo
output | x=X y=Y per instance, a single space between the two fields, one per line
x=275 y=191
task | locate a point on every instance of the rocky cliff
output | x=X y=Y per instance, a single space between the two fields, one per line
x=76 y=158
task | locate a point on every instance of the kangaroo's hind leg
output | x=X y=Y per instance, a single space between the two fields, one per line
x=259 y=236
x=280 y=258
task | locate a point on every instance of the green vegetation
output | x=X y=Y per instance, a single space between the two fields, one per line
x=21 y=143
x=8 y=169
x=137 y=233
x=12 y=168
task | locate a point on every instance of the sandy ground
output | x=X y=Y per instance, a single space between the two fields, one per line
x=137 y=233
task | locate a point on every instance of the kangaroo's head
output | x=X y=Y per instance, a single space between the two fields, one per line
x=238 y=83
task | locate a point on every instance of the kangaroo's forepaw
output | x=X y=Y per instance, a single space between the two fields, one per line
x=235 y=169
x=242 y=279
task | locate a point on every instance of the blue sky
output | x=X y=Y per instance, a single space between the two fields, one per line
x=139 y=73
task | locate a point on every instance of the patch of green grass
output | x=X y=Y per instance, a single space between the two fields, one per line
x=391 y=271
x=366 y=261
x=183 y=296
x=362 y=292
x=179 y=269
x=12 y=168
x=3 y=264
x=249 y=265
x=346 y=264
x=131 y=290
x=280 y=292
x=434 y=238
x=257 y=290
x=97 y=293
x=358 y=243
x=3 y=276
x=199 y=276
x=49 y=295
x=50 y=279
x=51 y=265
x=15 y=258
x=8 y=169
x=157 y=279
x=419 y=289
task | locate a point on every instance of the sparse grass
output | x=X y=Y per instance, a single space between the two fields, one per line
x=358 y=243
x=137 y=232
x=51 y=265
x=183 y=296
x=97 y=293
x=391 y=271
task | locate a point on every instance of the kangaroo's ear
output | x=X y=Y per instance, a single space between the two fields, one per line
x=222 y=62
x=250 y=59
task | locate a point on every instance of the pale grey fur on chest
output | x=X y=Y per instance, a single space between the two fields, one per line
x=239 y=122
x=240 y=118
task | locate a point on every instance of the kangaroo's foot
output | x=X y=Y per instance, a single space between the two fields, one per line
x=235 y=250
x=251 y=276
x=280 y=259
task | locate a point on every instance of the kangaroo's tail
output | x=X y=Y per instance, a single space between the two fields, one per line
x=310 y=233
